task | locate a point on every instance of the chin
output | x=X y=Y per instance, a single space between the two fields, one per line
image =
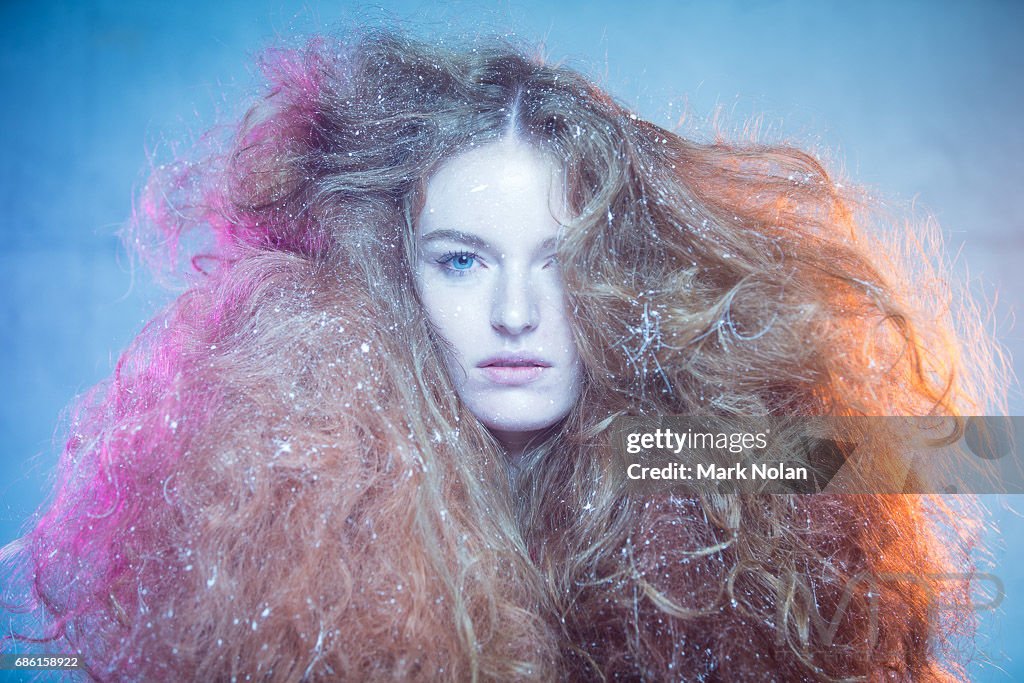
x=508 y=427
x=521 y=421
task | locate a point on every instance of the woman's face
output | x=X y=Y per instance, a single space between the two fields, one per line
x=489 y=281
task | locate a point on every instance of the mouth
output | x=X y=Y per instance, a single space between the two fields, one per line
x=513 y=370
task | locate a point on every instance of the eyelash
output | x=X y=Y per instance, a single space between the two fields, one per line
x=450 y=256
x=446 y=260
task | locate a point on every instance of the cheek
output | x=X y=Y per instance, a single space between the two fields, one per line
x=453 y=315
x=447 y=313
x=555 y=311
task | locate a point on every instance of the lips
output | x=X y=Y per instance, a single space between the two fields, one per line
x=513 y=370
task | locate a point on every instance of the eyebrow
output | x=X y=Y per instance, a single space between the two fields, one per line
x=475 y=241
x=455 y=236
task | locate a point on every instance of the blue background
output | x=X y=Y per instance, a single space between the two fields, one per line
x=919 y=101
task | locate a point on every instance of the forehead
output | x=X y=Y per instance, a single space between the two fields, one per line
x=501 y=189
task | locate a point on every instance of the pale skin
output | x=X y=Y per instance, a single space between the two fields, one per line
x=489 y=280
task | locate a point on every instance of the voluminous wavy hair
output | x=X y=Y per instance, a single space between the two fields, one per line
x=279 y=483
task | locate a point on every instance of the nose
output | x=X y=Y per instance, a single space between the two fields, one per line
x=515 y=308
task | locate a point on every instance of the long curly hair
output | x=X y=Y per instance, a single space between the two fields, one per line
x=279 y=483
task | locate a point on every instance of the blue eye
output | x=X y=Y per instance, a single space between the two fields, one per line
x=458 y=262
x=462 y=262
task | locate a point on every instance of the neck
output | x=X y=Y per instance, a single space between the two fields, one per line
x=517 y=443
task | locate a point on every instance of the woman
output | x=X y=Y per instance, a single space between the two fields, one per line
x=369 y=439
